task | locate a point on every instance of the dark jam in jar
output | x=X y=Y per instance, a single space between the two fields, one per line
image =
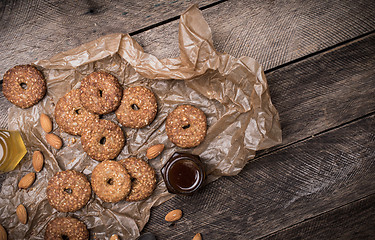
x=183 y=173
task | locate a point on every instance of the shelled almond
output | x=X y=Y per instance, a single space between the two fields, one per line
x=197 y=236
x=154 y=151
x=54 y=140
x=3 y=233
x=38 y=161
x=46 y=123
x=27 y=180
x=114 y=237
x=21 y=214
x=173 y=216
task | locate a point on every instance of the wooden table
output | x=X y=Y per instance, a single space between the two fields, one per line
x=319 y=59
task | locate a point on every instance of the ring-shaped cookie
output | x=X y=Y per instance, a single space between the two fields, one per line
x=68 y=191
x=110 y=181
x=66 y=228
x=24 y=86
x=138 y=107
x=102 y=140
x=186 y=126
x=143 y=178
x=101 y=92
x=70 y=114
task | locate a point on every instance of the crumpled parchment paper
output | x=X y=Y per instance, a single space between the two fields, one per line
x=233 y=93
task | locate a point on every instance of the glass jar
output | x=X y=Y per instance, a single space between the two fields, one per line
x=183 y=173
x=12 y=150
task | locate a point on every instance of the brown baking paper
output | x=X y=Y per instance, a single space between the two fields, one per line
x=233 y=93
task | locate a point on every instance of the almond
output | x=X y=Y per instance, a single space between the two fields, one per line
x=197 y=236
x=46 y=123
x=3 y=233
x=54 y=140
x=173 y=216
x=27 y=180
x=154 y=151
x=38 y=161
x=114 y=237
x=21 y=213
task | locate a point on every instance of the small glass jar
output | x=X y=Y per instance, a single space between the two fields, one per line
x=183 y=173
x=12 y=150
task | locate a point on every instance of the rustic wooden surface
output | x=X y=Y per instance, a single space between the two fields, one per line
x=319 y=58
x=346 y=222
x=39 y=29
x=325 y=160
x=273 y=32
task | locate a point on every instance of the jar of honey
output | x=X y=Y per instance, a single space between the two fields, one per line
x=12 y=150
x=183 y=173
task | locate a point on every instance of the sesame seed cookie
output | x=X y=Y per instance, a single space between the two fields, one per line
x=110 y=181
x=68 y=191
x=70 y=114
x=66 y=228
x=102 y=140
x=138 y=107
x=101 y=92
x=24 y=86
x=143 y=178
x=186 y=126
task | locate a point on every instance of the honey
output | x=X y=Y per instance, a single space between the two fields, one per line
x=12 y=150
x=183 y=173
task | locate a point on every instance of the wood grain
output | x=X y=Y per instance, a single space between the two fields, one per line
x=38 y=29
x=273 y=32
x=279 y=190
x=352 y=221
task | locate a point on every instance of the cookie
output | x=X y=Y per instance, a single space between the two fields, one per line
x=68 y=191
x=138 y=107
x=66 y=228
x=110 y=181
x=102 y=140
x=186 y=126
x=143 y=178
x=101 y=92
x=24 y=86
x=70 y=114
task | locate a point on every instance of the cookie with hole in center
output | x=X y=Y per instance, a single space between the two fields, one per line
x=143 y=178
x=24 y=86
x=186 y=126
x=102 y=139
x=110 y=181
x=101 y=92
x=138 y=107
x=70 y=114
x=66 y=228
x=68 y=191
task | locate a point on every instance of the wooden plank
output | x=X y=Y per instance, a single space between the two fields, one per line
x=273 y=32
x=353 y=221
x=32 y=30
x=326 y=90
x=279 y=190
